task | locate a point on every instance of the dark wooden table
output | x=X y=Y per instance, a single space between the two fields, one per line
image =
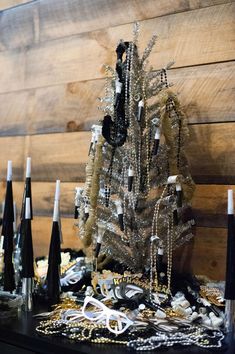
x=18 y=336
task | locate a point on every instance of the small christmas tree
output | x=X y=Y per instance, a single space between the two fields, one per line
x=138 y=186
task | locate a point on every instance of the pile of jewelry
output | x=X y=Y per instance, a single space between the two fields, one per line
x=120 y=309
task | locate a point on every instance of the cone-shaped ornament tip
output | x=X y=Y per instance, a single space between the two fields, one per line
x=230 y=202
x=28 y=167
x=57 y=190
x=9 y=171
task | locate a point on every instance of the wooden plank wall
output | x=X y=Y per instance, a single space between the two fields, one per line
x=7 y=4
x=51 y=58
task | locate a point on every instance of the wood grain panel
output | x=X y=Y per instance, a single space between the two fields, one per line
x=192 y=257
x=206 y=93
x=211 y=153
x=7 y=4
x=12 y=66
x=70 y=107
x=14 y=111
x=64 y=155
x=205 y=254
x=67 y=17
x=48 y=20
x=191 y=38
x=210 y=205
x=12 y=148
x=43 y=197
x=41 y=232
x=209 y=201
x=17 y=27
x=59 y=156
x=195 y=37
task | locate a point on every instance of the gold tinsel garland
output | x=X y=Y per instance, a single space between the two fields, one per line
x=93 y=192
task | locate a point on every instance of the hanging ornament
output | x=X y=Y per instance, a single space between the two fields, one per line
x=156 y=141
x=120 y=214
x=179 y=193
x=140 y=110
x=101 y=231
x=130 y=178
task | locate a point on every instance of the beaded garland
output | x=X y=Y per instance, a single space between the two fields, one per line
x=148 y=331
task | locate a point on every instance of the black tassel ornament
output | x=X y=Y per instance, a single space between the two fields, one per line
x=130 y=178
x=156 y=141
x=140 y=110
x=101 y=231
x=160 y=253
x=54 y=259
x=8 y=234
x=120 y=215
x=98 y=246
x=179 y=195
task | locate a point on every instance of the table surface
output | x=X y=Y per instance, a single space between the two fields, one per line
x=20 y=332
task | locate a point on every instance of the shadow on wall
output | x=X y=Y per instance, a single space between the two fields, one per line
x=210 y=153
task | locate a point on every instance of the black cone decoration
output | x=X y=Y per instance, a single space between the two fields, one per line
x=54 y=259
x=230 y=262
x=57 y=198
x=27 y=259
x=230 y=271
x=8 y=233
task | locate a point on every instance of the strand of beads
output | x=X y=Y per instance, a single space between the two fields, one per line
x=193 y=335
x=154 y=232
x=127 y=77
x=169 y=251
x=147 y=140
